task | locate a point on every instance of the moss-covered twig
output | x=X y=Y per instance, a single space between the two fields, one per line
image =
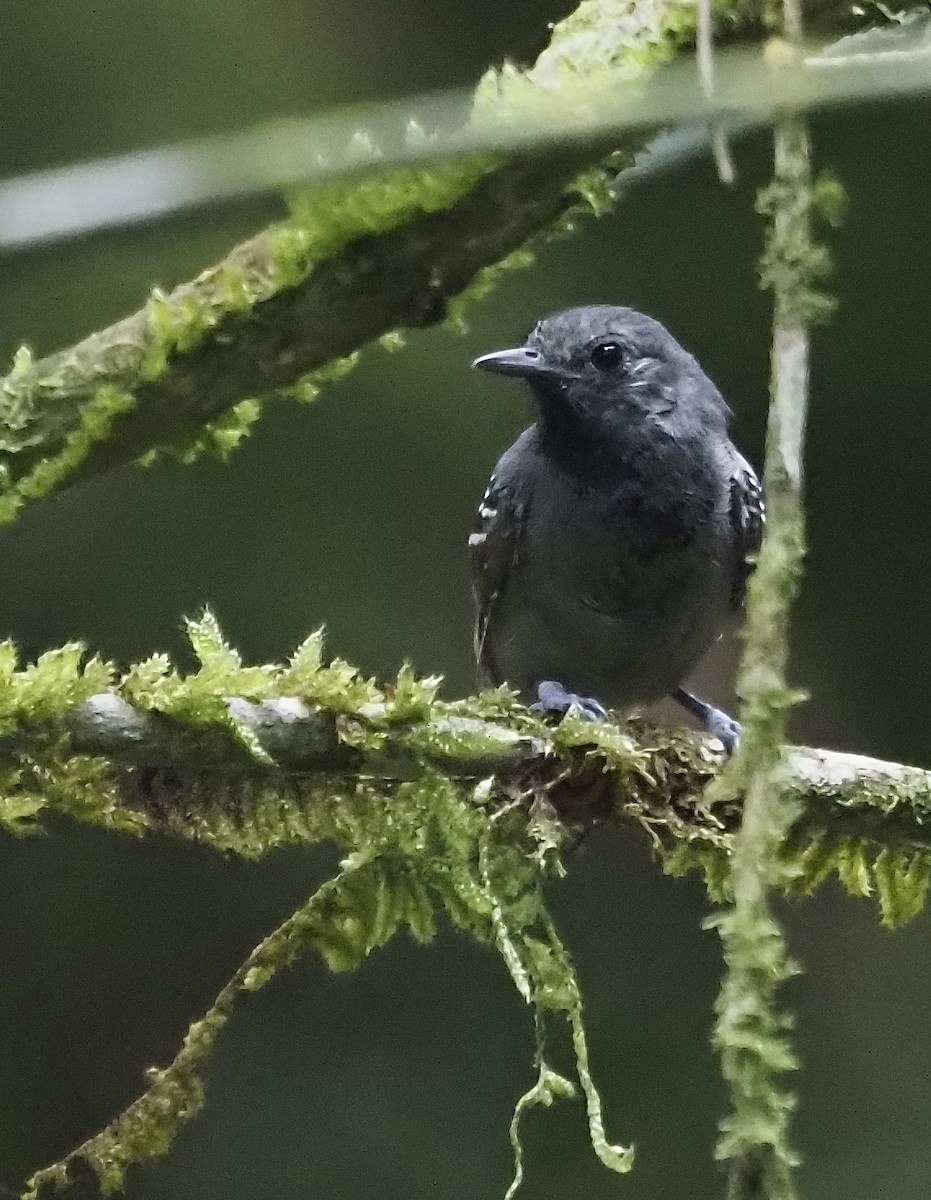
x=751 y=1031
x=175 y=1094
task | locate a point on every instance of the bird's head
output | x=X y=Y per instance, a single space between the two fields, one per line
x=603 y=371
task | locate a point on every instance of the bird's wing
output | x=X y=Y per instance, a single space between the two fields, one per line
x=747 y=516
x=494 y=543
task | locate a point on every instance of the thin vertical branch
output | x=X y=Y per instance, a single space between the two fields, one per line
x=751 y=1031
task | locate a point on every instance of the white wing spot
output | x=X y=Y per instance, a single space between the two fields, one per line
x=476 y=539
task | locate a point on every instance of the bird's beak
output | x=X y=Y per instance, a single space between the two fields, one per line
x=527 y=363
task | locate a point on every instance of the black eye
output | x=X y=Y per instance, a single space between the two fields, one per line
x=607 y=356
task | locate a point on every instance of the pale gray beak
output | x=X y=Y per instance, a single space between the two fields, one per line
x=522 y=361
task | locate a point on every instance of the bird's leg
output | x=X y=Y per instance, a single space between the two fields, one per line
x=716 y=722
x=552 y=697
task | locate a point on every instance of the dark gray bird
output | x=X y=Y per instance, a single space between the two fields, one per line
x=611 y=545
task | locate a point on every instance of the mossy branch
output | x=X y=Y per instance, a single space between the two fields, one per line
x=650 y=778
x=461 y=808
x=358 y=259
x=751 y=1032
x=249 y=758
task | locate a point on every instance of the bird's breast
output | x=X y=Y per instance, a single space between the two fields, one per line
x=632 y=580
x=657 y=521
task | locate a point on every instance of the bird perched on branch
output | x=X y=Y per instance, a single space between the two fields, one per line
x=611 y=545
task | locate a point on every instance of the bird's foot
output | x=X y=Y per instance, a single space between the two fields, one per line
x=552 y=697
x=714 y=721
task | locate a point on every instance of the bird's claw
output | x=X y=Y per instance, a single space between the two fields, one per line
x=725 y=729
x=552 y=697
x=715 y=722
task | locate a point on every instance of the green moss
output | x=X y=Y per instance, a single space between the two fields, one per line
x=98 y=417
x=49 y=687
x=710 y=860
x=751 y=1033
x=45 y=774
x=200 y=697
x=324 y=219
x=829 y=199
x=410 y=850
x=309 y=386
x=334 y=684
x=415 y=850
x=174 y=323
x=548 y=1087
x=593 y=48
x=22 y=362
x=898 y=879
x=901 y=881
x=393 y=341
x=594 y=188
x=483 y=282
x=218 y=438
x=793 y=265
x=17 y=411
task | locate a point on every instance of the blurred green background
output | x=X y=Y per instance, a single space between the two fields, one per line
x=398 y=1081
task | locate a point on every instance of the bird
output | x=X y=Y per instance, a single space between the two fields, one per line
x=613 y=543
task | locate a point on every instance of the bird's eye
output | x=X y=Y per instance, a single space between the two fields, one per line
x=607 y=356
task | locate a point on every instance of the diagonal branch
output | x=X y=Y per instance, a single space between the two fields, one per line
x=357 y=260
x=363 y=257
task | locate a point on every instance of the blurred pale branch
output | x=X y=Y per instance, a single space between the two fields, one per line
x=132 y=188
x=360 y=259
